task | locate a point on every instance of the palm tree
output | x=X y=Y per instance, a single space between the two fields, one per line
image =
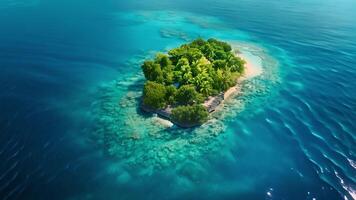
x=203 y=82
x=205 y=88
x=208 y=52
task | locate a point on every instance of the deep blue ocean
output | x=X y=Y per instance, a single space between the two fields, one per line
x=57 y=55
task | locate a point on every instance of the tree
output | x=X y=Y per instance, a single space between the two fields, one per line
x=163 y=60
x=203 y=82
x=193 y=54
x=236 y=64
x=187 y=95
x=220 y=45
x=168 y=75
x=205 y=88
x=208 y=51
x=223 y=79
x=152 y=71
x=199 y=65
x=177 y=53
x=187 y=77
x=184 y=76
x=190 y=115
x=170 y=94
x=198 y=43
x=220 y=55
x=154 y=95
x=218 y=79
x=219 y=64
x=182 y=62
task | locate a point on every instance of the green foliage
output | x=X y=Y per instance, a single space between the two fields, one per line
x=208 y=65
x=183 y=73
x=198 y=43
x=219 y=64
x=220 y=45
x=208 y=51
x=170 y=94
x=154 y=95
x=187 y=95
x=223 y=80
x=152 y=71
x=236 y=64
x=177 y=53
x=191 y=115
x=198 y=69
x=163 y=60
x=220 y=55
x=193 y=54
x=203 y=82
x=168 y=75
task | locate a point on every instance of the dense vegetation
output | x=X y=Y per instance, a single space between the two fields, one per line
x=187 y=75
x=190 y=115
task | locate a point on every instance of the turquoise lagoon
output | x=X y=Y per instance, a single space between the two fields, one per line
x=71 y=82
x=140 y=138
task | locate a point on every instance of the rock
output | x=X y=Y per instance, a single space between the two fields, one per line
x=163 y=122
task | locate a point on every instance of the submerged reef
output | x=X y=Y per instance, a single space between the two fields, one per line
x=142 y=141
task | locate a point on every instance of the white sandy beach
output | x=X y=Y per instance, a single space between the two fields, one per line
x=253 y=68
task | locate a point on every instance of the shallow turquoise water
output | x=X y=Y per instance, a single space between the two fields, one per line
x=292 y=136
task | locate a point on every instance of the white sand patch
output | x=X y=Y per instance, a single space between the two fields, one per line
x=231 y=91
x=253 y=66
x=165 y=123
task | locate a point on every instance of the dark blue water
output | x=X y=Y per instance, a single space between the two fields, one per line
x=55 y=54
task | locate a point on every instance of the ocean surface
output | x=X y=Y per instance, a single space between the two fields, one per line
x=70 y=79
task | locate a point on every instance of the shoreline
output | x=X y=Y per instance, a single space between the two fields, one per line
x=252 y=69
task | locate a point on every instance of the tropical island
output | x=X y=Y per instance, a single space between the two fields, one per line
x=190 y=81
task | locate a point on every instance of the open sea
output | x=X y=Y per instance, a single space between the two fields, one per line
x=70 y=79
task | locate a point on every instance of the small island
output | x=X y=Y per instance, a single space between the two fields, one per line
x=190 y=81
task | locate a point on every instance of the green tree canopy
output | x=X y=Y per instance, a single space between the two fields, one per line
x=170 y=94
x=186 y=75
x=191 y=115
x=152 y=71
x=236 y=64
x=187 y=95
x=163 y=60
x=219 y=64
x=220 y=45
x=154 y=95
